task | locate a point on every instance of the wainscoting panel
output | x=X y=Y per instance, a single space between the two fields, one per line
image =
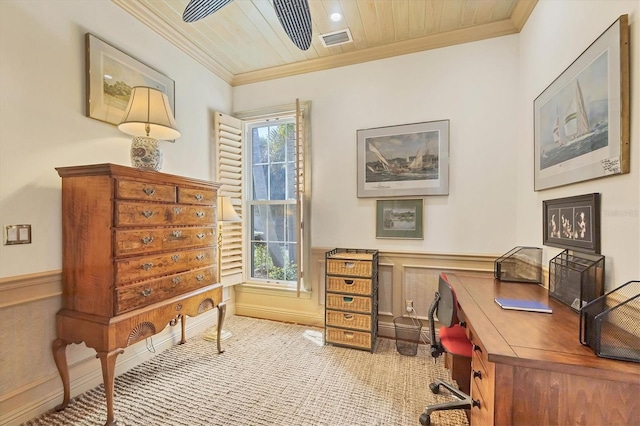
x=30 y=383
x=385 y=289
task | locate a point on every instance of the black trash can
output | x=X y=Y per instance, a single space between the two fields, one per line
x=407 y=335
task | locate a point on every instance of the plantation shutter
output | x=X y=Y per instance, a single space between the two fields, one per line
x=229 y=172
x=302 y=193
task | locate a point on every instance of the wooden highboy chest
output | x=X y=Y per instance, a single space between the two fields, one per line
x=138 y=253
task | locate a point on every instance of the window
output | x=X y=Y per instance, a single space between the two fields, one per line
x=263 y=170
x=271 y=201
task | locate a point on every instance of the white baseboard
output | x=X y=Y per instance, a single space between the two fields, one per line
x=315 y=319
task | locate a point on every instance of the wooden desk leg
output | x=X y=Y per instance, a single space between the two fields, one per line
x=108 y=361
x=59 y=348
x=222 y=311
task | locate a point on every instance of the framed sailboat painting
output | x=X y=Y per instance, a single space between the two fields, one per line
x=581 y=121
x=404 y=160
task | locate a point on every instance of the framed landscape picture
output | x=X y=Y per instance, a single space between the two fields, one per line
x=404 y=160
x=572 y=222
x=399 y=219
x=111 y=74
x=581 y=121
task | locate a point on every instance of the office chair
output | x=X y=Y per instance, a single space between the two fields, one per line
x=453 y=339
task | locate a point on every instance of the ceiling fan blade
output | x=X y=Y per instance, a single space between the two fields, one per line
x=296 y=20
x=198 y=9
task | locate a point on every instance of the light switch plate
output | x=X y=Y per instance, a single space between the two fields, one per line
x=17 y=234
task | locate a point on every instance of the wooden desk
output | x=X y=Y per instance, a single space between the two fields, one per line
x=530 y=369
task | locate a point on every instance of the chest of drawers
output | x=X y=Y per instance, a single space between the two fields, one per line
x=351 y=298
x=138 y=253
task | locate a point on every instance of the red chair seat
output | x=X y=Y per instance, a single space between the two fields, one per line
x=454 y=340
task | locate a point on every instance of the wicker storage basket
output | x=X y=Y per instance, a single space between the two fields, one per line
x=348 y=320
x=348 y=303
x=349 y=285
x=349 y=268
x=348 y=337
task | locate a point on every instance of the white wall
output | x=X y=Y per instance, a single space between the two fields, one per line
x=556 y=33
x=42 y=113
x=473 y=85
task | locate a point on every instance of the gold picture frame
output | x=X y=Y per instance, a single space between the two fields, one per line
x=581 y=120
x=110 y=75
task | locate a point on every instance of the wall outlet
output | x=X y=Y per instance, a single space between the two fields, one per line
x=408 y=305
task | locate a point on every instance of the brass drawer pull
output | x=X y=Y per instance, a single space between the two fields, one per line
x=349 y=282
x=199 y=277
x=176 y=280
x=149 y=191
x=348 y=317
x=176 y=233
x=146 y=240
x=177 y=210
x=477 y=374
x=198 y=197
x=200 y=214
x=200 y=236
x=347 y=299
x=477 y=348
x=146 y=292
x=175 y=257
x=475 y=403
x=179 y=307
x=147 y=266
x=147 y=213
x=199 y=256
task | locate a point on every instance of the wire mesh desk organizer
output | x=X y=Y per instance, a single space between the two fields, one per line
x=520 y=264
x=610 y=324
x=576 y=278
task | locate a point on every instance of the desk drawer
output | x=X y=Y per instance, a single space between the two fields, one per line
x=482 y=415
x=483 y=377
x=348 y=303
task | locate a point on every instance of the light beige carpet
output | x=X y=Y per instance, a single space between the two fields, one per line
x=270 y=374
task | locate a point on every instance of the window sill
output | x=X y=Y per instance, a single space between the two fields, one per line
x=271 y=289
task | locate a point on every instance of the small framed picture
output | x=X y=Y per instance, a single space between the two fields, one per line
x=572 y=223
x=400 y=219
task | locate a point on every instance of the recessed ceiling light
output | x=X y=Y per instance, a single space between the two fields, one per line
x=335 y=17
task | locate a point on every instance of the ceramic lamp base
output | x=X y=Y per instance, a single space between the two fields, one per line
x=145 y=153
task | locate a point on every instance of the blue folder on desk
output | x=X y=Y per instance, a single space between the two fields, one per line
x=523 y=305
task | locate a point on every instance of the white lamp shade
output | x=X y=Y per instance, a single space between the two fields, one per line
x=149 y=111
x=226 y=212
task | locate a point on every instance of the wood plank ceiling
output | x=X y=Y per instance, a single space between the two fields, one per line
x=244 y=42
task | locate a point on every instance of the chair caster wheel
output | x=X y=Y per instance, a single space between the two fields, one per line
x=425 y=419
x=435 y=388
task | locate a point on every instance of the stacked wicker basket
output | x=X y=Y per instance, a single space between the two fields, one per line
x=351 y=314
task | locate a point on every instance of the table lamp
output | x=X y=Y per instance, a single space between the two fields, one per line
x=226 y=214
x=148 y=118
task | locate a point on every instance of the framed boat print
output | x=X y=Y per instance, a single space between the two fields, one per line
x=404 y=160
x=581 y=121
x=110 y=76
x=399 y=219
x=572 y=223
